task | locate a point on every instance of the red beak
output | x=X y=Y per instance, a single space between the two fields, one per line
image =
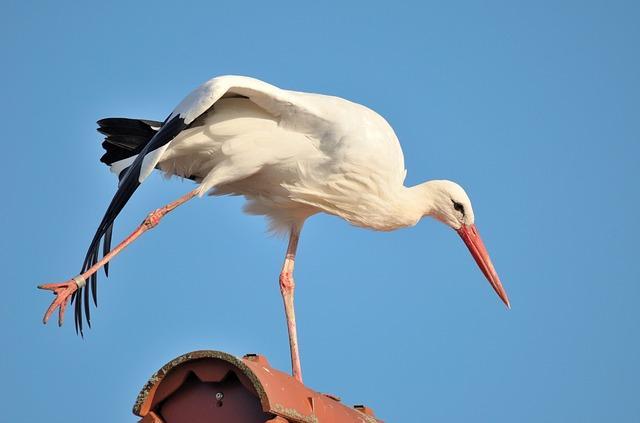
x=471 y=238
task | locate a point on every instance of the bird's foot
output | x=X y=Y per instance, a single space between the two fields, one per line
x=63 y=292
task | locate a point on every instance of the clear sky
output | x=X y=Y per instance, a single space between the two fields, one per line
x=534 y=109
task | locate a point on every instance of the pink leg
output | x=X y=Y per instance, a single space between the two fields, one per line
x=287 y=286
x=63 y=291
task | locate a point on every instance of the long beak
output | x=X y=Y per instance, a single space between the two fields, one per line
x=471 y=238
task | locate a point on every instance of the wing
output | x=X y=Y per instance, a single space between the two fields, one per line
x=294 y=110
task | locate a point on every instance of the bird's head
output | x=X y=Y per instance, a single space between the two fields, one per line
x=450 y=204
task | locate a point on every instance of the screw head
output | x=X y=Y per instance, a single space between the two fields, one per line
x=219 y=396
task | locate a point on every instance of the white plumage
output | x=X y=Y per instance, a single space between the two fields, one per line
x=291 y=154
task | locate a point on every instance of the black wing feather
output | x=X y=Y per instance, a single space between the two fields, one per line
x=128 y=185
x=106 y=245
x=87 y=309
x=106 y=248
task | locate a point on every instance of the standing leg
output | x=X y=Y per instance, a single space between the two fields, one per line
x=63 y=291
x=287 y=286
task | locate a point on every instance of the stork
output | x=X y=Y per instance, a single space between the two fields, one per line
x=291 y=155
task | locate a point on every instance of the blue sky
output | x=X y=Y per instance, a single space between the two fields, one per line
x=533 y=108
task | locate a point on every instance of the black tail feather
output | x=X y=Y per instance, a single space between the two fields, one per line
x=125 y=137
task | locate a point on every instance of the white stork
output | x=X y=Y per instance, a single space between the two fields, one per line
x=291 y=154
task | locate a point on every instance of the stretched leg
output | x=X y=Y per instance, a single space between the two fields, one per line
x=287 y=285
x=63 y=291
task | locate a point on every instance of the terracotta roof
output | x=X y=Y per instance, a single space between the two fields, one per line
x=278 y=397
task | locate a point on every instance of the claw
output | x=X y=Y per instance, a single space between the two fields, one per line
x=63 y=292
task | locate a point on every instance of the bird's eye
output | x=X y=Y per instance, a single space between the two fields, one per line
x=459 y=207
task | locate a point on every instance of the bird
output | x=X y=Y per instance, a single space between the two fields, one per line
x=291 y=154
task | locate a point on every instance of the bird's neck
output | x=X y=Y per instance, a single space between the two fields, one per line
x=420 y=200
x=399 y=207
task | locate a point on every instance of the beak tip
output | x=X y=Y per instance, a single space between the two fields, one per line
x=506 y=302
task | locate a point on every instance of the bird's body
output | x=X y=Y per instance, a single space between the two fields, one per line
x=349 y=163
x=291 y=154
